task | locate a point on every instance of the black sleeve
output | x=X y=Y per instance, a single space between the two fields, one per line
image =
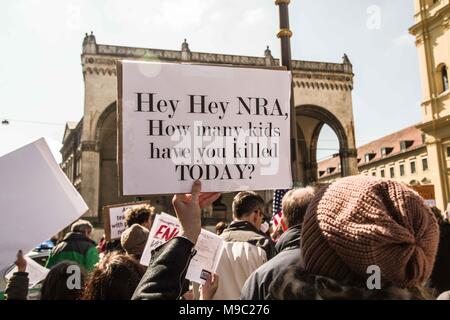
x=17 y=286
x=250 y=289
x=165 y=275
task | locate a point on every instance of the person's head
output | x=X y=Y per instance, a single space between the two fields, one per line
x=438 y=214
x=115 y=277
x=360 y=222
x=249 y=206
x=82 y=226
x=294 y=205
x=133 y=240
x=142 y=214
x=64 y=281
x=220 y=226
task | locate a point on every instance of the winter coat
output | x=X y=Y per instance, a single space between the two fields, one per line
x=75 y=247
x=17 y=286
x=296 y=284
x=245 y=250
x=164 y=278
x=288 y=247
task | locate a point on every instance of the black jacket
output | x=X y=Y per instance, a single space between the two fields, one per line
x=166 y=273
x=17 y=287
x=288 y=247
x=440 y=277
x=243 y=231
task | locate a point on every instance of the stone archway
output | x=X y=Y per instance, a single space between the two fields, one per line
x=312 y=118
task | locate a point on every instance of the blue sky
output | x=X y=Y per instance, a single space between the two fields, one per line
x=41 y=83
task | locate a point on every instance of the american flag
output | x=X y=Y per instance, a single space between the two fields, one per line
x=277 y=208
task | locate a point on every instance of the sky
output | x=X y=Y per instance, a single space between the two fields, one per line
x=41 y=82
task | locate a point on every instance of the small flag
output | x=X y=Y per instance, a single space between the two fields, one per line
x=277 y=208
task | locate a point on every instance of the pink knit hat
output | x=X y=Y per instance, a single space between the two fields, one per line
x=361 y=221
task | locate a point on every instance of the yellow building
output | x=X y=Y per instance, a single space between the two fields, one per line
x=400 y=156
x=432 y=32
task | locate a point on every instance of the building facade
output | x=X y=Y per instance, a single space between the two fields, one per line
x=400 y=156
x=432 y=32
x=322 y=95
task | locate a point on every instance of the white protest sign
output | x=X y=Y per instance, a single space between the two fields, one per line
x=227 y=126
x=114 y=218
x=209 y=247
x=164 y=228
x=36 y=272
x=37 y=200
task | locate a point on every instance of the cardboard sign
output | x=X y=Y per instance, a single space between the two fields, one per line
x=114 y=219
x=227 y=126
x=37 y=200
x=209 y=247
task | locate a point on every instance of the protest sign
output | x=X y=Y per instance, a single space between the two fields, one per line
x=114 y=219
x=227 y=126
x=37 y=200
x=36 y=272
x=164 y=228
x=209 y=247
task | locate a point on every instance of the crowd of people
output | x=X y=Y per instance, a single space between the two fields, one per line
x=357 y=238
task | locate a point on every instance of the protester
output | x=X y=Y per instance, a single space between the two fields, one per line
x=357 y=231
x=133 y=240
x=220 y=227
x=115 y=277
x=76 y=246
x=165 y=275
x=440 y=277
x=143 y=215
x=246 y=247
x=295 y=203
x=63 y=282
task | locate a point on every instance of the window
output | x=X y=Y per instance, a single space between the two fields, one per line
x=444 y=76
x=369 y=156
x=413 y=166
x=448 y=152
x=424 y=164
x=405 y=144
x=392 y=172
x=374 y=173
x=382 y=173
x=402 y=170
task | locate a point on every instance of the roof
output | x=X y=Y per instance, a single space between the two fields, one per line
x=373 y=149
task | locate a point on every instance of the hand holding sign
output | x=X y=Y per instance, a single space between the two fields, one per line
x=188 y=210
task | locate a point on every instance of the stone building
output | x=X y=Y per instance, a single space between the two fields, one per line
x=432 y=32
x=322 y=94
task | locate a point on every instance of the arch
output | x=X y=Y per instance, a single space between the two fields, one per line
x=325 y=117
x=101 y=120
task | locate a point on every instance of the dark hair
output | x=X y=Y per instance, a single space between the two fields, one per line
x=245 y=202
x=115 y=277
x=139 y=214
x=56 y=283
x=220 y=226
x=294 y=204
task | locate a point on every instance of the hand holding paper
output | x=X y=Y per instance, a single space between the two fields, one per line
x=188 y=210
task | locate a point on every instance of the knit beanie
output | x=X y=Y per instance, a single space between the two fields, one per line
x=362 y=221
x=134 y=238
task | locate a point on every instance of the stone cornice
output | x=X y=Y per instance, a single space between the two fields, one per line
x=104 y=61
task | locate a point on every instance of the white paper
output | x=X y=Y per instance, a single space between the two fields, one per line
x=37 y=200
x=209 y=247
x=36 y=272
x=117 y=220
x=230 y=144
x=209 y=250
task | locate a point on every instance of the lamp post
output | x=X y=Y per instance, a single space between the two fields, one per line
x=285 y=34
